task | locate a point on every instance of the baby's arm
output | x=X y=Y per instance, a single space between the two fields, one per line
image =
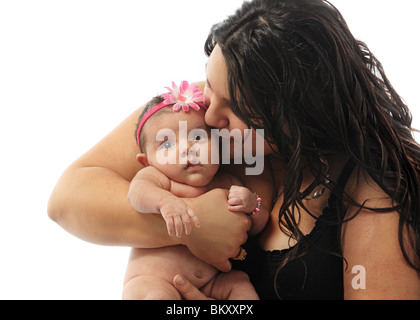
x=159 y=199
x=243 y=200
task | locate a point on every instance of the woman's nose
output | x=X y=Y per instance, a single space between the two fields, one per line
x=215 y=118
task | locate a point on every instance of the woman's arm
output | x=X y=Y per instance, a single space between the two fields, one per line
x=90 y=202
x=90 y=198
x=376 y=267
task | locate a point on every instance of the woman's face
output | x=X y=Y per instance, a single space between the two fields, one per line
x=219 y=113
x=216 y=92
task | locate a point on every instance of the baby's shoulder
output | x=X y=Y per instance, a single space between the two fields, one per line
x=152 y=174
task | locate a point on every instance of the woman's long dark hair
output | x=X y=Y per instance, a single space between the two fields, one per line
x=296 y=62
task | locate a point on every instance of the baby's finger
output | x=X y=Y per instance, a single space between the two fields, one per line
x=234 y=201
x=193 y=217
x=187 y=224
x=178 y=226
x=233 y=192
x=238 y=208
x=234 y=188
x=170 y=226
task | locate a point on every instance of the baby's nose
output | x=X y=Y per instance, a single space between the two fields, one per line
x=185 y=149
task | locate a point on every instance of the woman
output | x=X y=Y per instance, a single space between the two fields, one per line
x=341 y=163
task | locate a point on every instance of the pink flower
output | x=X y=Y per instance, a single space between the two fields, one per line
x=186 y=96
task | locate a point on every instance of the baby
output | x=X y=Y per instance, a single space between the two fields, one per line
x=176 y=151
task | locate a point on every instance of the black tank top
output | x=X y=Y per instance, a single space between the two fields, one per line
x=318 y=273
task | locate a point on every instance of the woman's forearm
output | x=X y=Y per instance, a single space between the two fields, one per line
x=91 y=203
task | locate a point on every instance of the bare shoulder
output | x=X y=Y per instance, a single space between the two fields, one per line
x=363 y=189
x=370 y=242
x=154 y=175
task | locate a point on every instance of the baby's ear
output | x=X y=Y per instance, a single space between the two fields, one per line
x=142 y=158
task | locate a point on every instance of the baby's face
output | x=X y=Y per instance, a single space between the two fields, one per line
x=179 y=145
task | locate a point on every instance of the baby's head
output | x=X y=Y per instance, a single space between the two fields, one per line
x=140 y=133
x=174 y=138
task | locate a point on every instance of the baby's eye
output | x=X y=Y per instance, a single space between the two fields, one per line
x=198 y=137
x=167 y=145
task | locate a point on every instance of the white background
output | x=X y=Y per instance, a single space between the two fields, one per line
x=71 y=70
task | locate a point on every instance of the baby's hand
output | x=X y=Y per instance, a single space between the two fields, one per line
x=242 y=199
x=176 y=213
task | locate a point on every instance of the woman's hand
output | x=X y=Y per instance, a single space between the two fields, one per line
x=187 y=290
x=234 y=285
x=221 y=232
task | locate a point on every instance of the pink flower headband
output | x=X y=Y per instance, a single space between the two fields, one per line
x=186 y=96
